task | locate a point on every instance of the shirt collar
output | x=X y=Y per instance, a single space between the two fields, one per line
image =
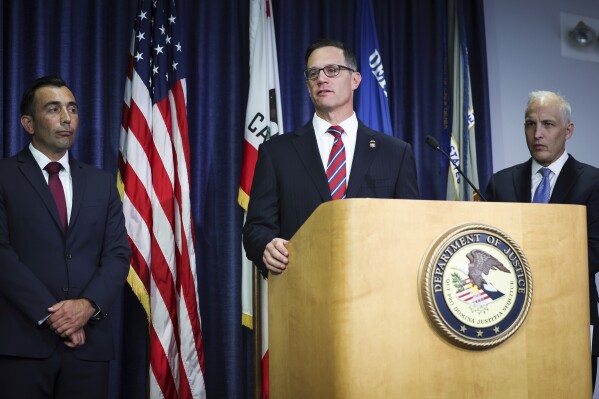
x=350 y=125
x=555 y=167
x=42 y=160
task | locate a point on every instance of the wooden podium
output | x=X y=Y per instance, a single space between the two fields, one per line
x=345 y=319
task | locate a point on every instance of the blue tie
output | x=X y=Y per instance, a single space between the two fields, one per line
x=544 y=189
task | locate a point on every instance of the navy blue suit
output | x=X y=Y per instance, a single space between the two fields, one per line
x=290 y=182
x=577 y=184
x=40 y=265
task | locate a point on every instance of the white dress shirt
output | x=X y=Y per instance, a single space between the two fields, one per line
x=325 y=140
x=64 y=175
x=536 y=178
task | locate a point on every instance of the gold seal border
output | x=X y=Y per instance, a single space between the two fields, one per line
x=426 y=294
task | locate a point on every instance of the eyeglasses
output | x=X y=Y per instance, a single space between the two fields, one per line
x=330 y=70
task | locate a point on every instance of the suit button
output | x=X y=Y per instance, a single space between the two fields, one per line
x=68 y=256
x=65 y=288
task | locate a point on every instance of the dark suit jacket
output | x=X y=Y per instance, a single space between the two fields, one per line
x=577 y=184
x=40 y=265
x=290 y=182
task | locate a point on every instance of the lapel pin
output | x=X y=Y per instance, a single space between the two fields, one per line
x=372 y=144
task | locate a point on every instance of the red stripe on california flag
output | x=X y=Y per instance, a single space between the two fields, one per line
x=263 y=97
x=250 y=157
x=265 y=379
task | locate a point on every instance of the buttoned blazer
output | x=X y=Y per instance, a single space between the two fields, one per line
x=290 y=181
x=41 y=265
x=577 y=184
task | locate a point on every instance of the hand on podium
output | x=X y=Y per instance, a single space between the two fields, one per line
x=276 y=255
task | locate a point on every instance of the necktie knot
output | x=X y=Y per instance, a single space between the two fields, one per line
x=544 y=172
x=336 y=131
x=53 y=167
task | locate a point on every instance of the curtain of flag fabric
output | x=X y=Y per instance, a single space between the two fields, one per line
x=372 y=102
x=462 y=143
x=263 y=120
x=155 y=176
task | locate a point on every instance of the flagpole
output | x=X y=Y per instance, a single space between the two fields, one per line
x=257 y=341
x=265 y=115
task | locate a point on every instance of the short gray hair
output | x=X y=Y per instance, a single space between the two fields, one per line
x=564 y=105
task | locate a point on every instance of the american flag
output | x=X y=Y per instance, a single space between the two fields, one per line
x=155 y=176
x=473 y=295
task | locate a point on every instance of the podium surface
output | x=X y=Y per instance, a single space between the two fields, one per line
x=346 y=321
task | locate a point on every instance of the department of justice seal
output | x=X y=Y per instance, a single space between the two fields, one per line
x=475 y=286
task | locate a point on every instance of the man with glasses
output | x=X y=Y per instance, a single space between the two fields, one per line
x=334 y=156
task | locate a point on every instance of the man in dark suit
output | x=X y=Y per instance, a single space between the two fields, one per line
x=292 y=176
x=547 y=126
x=63 y=260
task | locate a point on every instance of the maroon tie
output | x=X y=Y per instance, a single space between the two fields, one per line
x=53 y=168
x=336 y=165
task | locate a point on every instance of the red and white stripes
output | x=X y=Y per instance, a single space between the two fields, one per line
x=154 y=168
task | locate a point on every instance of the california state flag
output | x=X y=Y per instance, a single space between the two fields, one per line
x=263 y=119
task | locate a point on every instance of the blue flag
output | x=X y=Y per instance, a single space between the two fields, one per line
x=373 y=106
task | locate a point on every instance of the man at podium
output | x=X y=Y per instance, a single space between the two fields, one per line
x=334 y=156
x=554 y=176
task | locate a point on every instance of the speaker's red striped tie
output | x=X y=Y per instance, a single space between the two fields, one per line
x=336 y=166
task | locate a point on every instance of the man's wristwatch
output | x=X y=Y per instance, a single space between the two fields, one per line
x=97 y=311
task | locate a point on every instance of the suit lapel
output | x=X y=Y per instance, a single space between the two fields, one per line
x=565 y=181
x=32 y=172
x=305 y=144
x=522 y=181
x=78 y=189
x=363 y=156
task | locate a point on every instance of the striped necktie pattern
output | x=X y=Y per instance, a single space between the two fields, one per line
x=336 y=175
